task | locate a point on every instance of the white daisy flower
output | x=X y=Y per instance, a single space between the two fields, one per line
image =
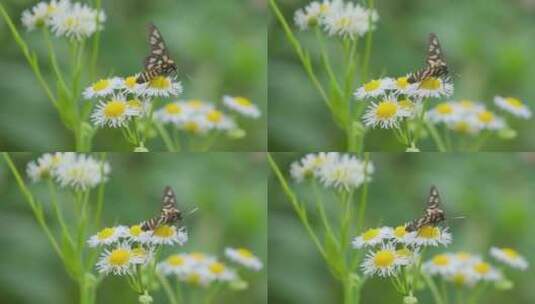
x=374 y=88
x=310 y=165
x=45 y=166
x=349 y=20
x=485 y=271
x=102 y=87
x=384 y=262
x=443 y=264
x=462 y=277
x=401 y=236
x=41 y=14
x=309 y=16
x=118 y=261
x=407 y=256
x=347 y=173
x=372 y=237
x=432 y=236
x=175 y=112
x=195 y=124
x=244 y=257
x=242 y=105
x=142 y=255
x=165 y=235
x=464 y=258
x=178 y=264
x=81 y=172
x=385 y=114
x=488 y=120
x=197 y=106
x=401 y=85
x=138 y=107
x=219 y=121
x=78 y=22
x=221 y=272
x=510 y=257
x=513 y=106
x=465 y=125
x=197 y=276
x=107 y=236
x=130 y=85
x=163 y=86
x=133 y=233
x=114 y=113
x=431 y=88
x=445 y=112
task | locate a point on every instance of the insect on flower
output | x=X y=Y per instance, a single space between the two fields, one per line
x=433 y=214
x=436 y=65
x=158 y=63
x=169 y=213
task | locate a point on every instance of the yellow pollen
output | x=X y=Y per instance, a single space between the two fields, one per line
x=482 y=267
x=101 y=85
x=444 y=108
x=459 y=278
x=514 y=102
x=164 y=231
x=139 y=252
x=485 y=116
x=343 y=22
x=372 y=85
x=130 y=81
x=217 y=267
x=160 y=82
x=105 y=233
x=119 y=257
x=441 y=260
x=214 y=116
x=192 y=127
x=511 y=253
x=173 y=108
x=462 y=127
x=386 y=110
x=135 y=230
x=245 y=253
x=403 y=252
x=242 y=101
x=194 y=278
x=71 y=22
x=175 y=260
x=114 y=109
x=134 y=104
x=384 y=258
x=402 y=82
x=370 y=234
x=195 y=103
x=406 y=104
x=467 y=104
x=431 y=84
x=400 y=231
x=429 y=232
x=324 y=7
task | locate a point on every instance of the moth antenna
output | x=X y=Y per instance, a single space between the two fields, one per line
x=192 y=211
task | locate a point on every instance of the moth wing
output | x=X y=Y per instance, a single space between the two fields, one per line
x=434 y=52
x=433 y=200
x=168 y=199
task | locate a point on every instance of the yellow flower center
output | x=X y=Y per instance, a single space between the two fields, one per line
x=245 y=253
x=370 y=234
x=195 y=103
x=467 y=104
x=71 y=22
x=406 y=104
x=444 y=108
x=217 y=267
x=372 y=85
x=130 y=81
x=386 y=109
x=461 y=127
x=175 y=260
x=429 y=232
x=482 y=267
x=197 y=256
x=101 y=85
x=173 y=108
x=384 y=258
x=134 y=104
x=459 y=278
x=441 y=260
x=400 y=231
x=214 y=116
x=119 y=257
x=139 y=252
x=402 y=82
x=164 y=231
x=431 y=84
x=463 y=256
x=343 y=22
x=324 y=7
x=192 y=127
x=514 y=102
x=194 y=278
x=105 y=233
x=403 y=252
x=242 y=101
x=485 y=116
x=160 y=82
x=114 y=109
x=135 y=230
x=510 y=253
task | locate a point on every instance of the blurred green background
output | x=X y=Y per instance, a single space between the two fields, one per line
x=488 y=44
x=220 y=48
x=228 y=188
x=494 y=191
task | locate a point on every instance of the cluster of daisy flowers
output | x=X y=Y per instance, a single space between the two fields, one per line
x=333 y=170
x=201 y=269
x=199 y=117
x=393 y=248
x=469 y=117
x=125 y=247
x=122 y=99
x=76 y=171
x=466 y=269
x=337 y=18
x=63 y=18
x=393 y=99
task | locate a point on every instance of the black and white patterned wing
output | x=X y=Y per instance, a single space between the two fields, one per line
x=170 y=214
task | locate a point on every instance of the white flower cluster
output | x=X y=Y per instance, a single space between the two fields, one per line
x=337 y=18
x=72 y=20
x=396 y=99
x=396 y=247
x=77 y=171
x=125 y=247
x=332 y=169
x=202 y=269
x=127 y=98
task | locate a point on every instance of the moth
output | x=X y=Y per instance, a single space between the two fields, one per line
x=158 y=63
x=169 y=213
x=436 y=64
x=433 y=214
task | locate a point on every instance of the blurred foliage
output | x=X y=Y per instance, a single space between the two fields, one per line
x=229 y=190
x=488 y=43
x=493 y=191
x=220 y=47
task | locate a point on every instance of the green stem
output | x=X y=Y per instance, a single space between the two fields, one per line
x=165 y=137
x=434 y=290
x=323 y=215
x=436 y=137
x=59 y=214
x=167 y=288
x=54 y=62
